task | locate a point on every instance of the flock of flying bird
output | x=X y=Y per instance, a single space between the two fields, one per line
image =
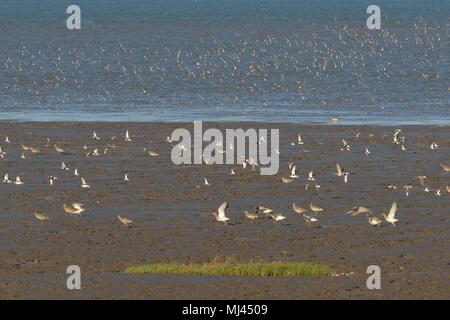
x=220 y=213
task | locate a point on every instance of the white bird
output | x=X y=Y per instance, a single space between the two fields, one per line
x=299 y=139
x=438 y=192
x=277 y=217
x=63 y=166
x=125 y=221
x=220 y=213
x=168 y=140
x=293 y=174
x=311 y=176
x=125 y=178
x=23 y=156
x=84 y=184
x=75 y=173
x=434 y=146
x=396 y=136
x=127 y=136
x=367 y=152
x=7 y=140
x=6 y=179
x=51 y=179
x=232 y=172
x=346 y=146
x=390 y=217
x=95 y=152
x=309 y=219
x=18 y=181
x=95 y=136
x=206 y=182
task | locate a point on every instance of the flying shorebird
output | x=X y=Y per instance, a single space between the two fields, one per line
x=220 y=213
x=23 y=156
x=263 y=210
x=367 y=151
x=421 y=179
x=75 y=173
x=276 y=217
x=346 y=146
x=311 y=176
x=407 y=187
x=25 y=148
x=63 y=166
x=299 y=139
x=206 y=182
x=168 y=140
x=390 y=217
x=125 y=178
x=315 y=209
x=358 y=210
x=41 y=216
x=434 y=146
x=293 y=174
x=251 y=215
x=51 y=179
x=340 y=172
x=74 y=208
x=7 y=140
x=232 y=172
x=84 y=185
x=445 y=167
x=6 y=179
x=298 y=209
x=396 y=136
x=34 y=150
x=127 y=136
x=125 y=221
x=18 y=181
x=95 y=136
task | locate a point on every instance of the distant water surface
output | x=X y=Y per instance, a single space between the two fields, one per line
x=238 y=60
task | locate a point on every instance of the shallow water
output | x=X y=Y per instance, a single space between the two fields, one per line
x=284 y=61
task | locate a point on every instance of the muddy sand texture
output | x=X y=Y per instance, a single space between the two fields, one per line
x=173 y=221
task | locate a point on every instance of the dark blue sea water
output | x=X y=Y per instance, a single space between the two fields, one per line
x=263 y=60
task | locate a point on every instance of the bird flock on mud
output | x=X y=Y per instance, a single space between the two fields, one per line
x=310 y=213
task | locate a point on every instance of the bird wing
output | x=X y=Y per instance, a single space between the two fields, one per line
x=393 y=210
x=221 y=209
x=338 y=169
x=83 y=181
x=293 y=170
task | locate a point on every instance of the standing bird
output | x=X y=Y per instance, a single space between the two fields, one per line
x=298 y=209
x=74 y=208
x=40 y=216
x=390 y=217
x=315 y=209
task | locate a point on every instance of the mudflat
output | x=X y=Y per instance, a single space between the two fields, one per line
x=172 y=222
